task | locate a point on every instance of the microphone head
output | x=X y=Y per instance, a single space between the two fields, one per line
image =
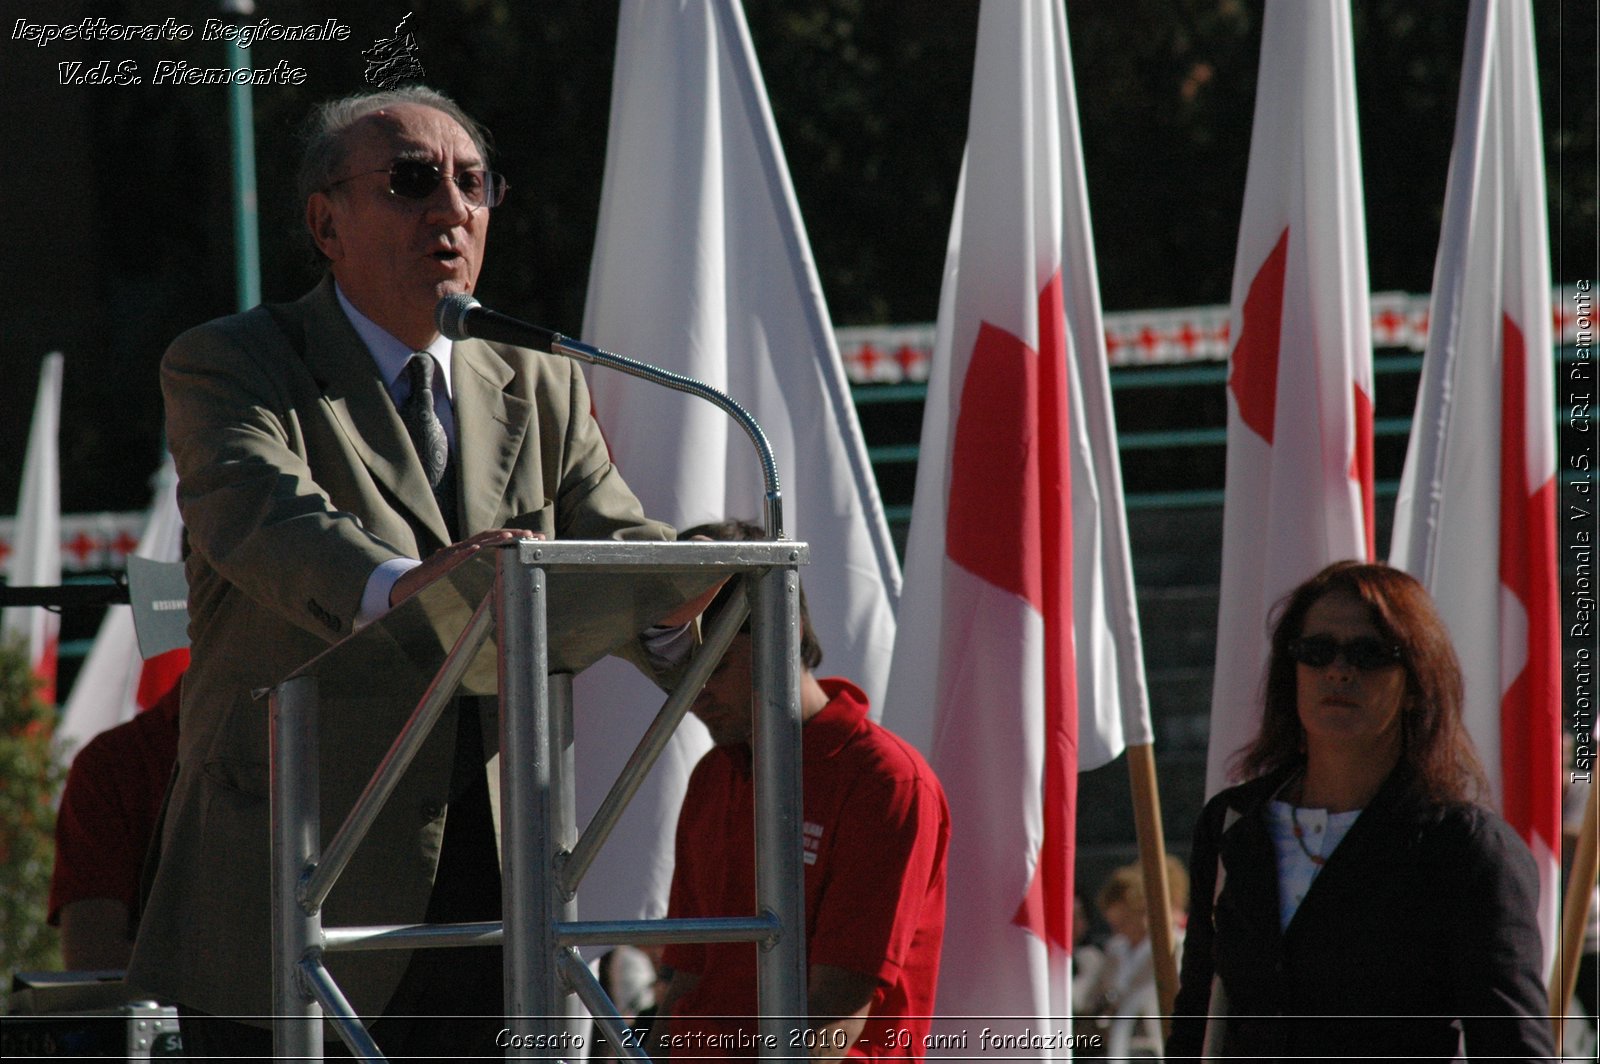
x=451 y=315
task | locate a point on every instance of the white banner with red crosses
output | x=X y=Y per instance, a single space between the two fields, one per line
x=898 y=354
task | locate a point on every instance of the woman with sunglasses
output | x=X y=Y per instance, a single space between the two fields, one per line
x=1351 y=898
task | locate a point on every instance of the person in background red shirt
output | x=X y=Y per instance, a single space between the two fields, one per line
x=109 y=812
x=876 y=831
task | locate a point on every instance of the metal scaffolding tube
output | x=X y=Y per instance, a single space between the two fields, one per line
x=399 y=757
x=527 y=853
x=563 y=798
x=340 y=1014
x=296 y=820
x=599 y=1004
x=780 y=868
x=413 y=936
x=562 y=907
x=568 y=933
x=573 y=866
x=763 y=929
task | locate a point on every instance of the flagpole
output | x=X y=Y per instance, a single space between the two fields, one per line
x=1153 y=857
x=241 y=122
x=1580 y=892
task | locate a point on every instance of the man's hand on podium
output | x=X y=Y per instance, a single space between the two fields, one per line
x=447 y=558
x=442 y=561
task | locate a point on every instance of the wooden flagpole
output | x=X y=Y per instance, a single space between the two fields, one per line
x=1157 y=891
x=1575 y=913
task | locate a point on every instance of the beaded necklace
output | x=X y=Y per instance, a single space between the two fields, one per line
x=1300 y=837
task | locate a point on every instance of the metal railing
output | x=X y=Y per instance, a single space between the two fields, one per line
x=1400 y=367
x=544 y=858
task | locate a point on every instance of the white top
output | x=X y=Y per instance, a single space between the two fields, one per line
x=1125 y=984
x=1320 y=831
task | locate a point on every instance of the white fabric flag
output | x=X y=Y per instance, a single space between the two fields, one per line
x=1299 y=474
x=701 y=265
x=36 y=556
x=1475 y=521
x=116 y=682
x=1017 y=538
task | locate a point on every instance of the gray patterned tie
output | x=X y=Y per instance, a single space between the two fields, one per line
x=422 y=422
x=427 y=435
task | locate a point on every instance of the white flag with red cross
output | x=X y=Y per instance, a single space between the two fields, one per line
x=116 y=681
x=1299 y=469
x=701 y=266
x=35 y=559
x=1018 y=659
x=1475 y=520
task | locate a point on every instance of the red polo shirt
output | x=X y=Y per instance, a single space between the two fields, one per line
x=876 y=831
x=110 y=808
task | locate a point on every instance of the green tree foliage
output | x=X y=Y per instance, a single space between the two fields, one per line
x=29 y=778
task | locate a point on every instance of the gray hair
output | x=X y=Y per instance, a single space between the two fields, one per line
x=324 y=141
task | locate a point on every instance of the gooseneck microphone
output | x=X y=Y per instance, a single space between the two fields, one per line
x=460 y=317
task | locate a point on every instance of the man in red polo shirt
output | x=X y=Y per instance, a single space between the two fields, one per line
x=110 y=810
x=876 y=830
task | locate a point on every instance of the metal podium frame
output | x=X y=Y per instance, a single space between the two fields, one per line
x=544 y=858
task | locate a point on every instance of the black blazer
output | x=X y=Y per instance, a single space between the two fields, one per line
x=1422 y=923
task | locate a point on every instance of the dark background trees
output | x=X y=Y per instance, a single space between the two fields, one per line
x=117 y=199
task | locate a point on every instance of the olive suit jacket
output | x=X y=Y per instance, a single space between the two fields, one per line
x=296 y=480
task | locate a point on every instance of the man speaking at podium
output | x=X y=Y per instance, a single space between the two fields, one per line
x=334 y=456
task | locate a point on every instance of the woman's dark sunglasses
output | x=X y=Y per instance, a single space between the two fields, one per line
x=1364 y=652
x=415 y=179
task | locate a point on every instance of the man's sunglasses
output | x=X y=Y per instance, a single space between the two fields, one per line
x=415 y=179
x=1364 y=652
